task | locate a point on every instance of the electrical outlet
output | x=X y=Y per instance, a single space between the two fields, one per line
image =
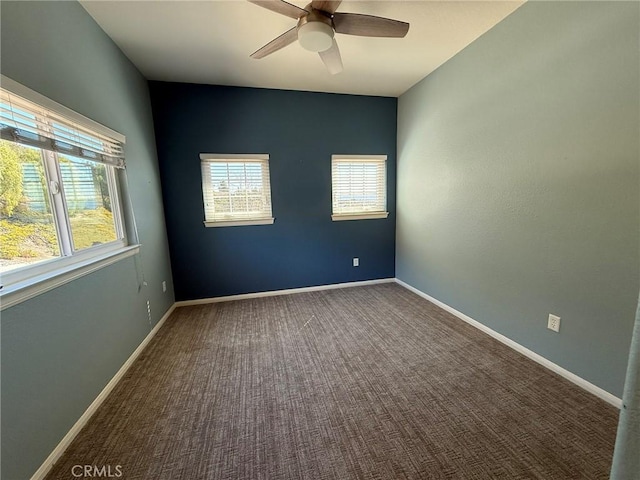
x=164 y=286
x=356 y=262
x=554 y=323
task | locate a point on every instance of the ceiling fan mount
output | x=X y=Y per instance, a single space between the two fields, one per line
x=317 y=25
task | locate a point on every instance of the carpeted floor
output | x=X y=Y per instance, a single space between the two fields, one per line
x=359 y=383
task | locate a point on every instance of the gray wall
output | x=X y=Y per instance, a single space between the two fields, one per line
x=61 y=348
x=626 y=461
x=518 y=183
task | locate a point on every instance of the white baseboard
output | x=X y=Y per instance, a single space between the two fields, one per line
x=289 y=291
x=82 y=421
x=572 y=377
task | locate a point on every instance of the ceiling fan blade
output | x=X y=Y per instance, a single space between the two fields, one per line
x=332 y=59
x=326 y=5
x=276 y=44
x=282 y=7
x=368 y=25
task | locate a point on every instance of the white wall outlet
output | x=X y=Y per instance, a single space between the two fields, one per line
x=554 y=323
x=164 y=286
x=356 y=262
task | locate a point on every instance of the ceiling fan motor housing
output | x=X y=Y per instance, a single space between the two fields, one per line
x=318 y=22
x=315 y=31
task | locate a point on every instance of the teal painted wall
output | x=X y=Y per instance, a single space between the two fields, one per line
x=518 y=183
x=304 y=247
x=61 y=348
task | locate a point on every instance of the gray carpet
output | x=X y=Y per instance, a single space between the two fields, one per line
x=359 y=383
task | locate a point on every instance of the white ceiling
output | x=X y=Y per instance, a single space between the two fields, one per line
x=210 y=42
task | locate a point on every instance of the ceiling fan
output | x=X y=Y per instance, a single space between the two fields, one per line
x=318 y=22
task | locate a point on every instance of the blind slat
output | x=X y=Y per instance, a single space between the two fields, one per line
x=233 y=189
x=358 y=185
x=25 y=122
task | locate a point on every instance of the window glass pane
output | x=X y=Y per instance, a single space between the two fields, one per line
x=27 y=229
x=236 y=190
x=358 y=187
x=86 y=190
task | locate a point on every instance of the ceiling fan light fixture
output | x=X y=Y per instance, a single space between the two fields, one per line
x=315 y=36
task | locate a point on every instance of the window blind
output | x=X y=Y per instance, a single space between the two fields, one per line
x=359 y=184
x=236 y=188
x=23 y=121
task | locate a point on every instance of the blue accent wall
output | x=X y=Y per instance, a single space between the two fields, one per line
x=300 y=131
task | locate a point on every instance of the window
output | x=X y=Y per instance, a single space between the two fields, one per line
x=59 y=195
x=359 y=187
x=236 y=190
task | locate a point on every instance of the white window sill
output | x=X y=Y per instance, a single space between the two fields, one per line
x=239 y=223
x=18 y=292
x=359 y=216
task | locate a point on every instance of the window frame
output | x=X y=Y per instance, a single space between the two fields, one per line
x=22 y=283
x=361 y=215
x=212 y=158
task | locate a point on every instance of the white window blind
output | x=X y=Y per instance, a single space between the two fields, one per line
x=62 y=212
x=236 y=189
x=25 y=122
x=359 y=186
